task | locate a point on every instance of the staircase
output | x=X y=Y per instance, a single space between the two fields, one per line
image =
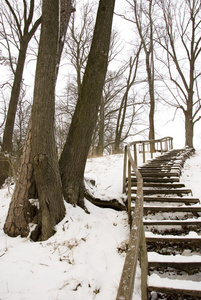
x=172 y=222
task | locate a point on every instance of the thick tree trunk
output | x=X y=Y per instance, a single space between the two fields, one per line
x=74 y=155
x=21 y=212
x=46 y=169
x=25 y=188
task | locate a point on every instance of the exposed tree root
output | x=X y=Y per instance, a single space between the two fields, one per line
x=114 y=203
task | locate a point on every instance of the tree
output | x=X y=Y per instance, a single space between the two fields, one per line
x=21 y=211
x=21 y=28
x=143 y=18
x=24 y=34
x=180 y=38
x=79 y=41
x=74 y=156
x=133 y=66
x=46 y=169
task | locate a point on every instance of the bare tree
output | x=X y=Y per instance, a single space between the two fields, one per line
x=21 y=32
x=79 y=39
x=180 y=38
x=24 y=31
x=143 y=18
x=74 y=155
x=21 y=211
x=133 y=66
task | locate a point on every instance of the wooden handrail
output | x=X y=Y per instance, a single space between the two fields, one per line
x=137 y=242
x=137 y=239
x=147 y=146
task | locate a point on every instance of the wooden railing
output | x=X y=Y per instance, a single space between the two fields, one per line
x=137 y=242
x=146 y=149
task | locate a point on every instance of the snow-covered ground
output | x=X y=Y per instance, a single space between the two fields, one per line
x=84 y=259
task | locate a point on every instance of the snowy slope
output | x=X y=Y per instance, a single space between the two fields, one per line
x=84 y=259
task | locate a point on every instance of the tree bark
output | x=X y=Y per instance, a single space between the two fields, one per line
x=100 y=146
x=66 y=9
x=21 y=212
x=25 y=189
x=74 y=155
x=46 y=170
x=10 y=120
x=189 y=126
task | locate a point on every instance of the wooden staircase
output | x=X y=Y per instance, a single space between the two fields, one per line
x=172 y=221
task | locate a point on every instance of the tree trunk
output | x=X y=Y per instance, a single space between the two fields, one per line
x=74 y=155
x=189 y=126
x=100 y=146
x=66 y=10
x=10 y=120
x=46 y=170
x=15 y=92
x=188 y=131
x=25 y=188
x=21 y=212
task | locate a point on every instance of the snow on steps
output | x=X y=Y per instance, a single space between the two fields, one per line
x=170 y=286
x=162 y=190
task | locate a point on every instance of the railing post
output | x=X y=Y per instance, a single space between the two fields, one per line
x=135 y=153
x=166 y=145
x=151 y=149
x=143 y=265
x=161 y=144
x=143 y=150
x=129 y=191
x=124 y=168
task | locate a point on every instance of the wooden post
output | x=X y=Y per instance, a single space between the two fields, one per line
x=161 y=144
x=124 y=170
x=151 y=149
x=143 y=264
x=129 y=191
x=143 y=150
x=135 y=153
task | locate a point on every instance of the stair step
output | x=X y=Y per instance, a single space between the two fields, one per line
x=148 y=191
x=175 y=265
x=159 y=168
x=172 y=223
x=186 y=200
x=173 y=239
x=161 y=184
x=174 y=290
x=194 y=209
x=155 y=164
x=152 y=179
x=159 y=174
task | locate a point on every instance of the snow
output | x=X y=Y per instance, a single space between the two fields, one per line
x=153 y=256
x=85 y=257
x=169 y=283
